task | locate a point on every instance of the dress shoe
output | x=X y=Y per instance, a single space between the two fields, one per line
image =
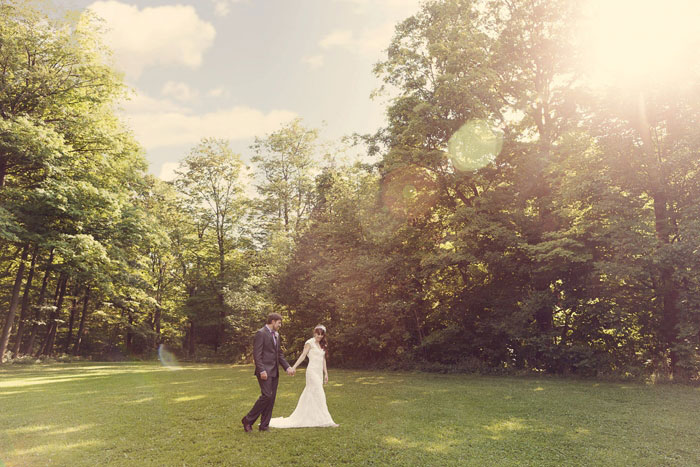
x=246 y=426
x=263 y=429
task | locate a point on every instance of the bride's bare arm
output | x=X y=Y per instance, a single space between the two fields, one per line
x=301 y=358
x=325 y=370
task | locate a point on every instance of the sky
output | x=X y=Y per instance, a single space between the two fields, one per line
x=238 y=69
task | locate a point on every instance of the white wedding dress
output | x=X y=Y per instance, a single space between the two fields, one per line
x=311 y=410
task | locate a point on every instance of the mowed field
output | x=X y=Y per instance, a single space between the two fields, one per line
x=147 y=414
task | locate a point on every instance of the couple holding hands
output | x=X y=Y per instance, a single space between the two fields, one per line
x=311 y=410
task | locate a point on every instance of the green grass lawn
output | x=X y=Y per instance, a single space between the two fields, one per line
x=145 y=414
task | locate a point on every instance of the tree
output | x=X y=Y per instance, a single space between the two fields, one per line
x=65 y=159
x=211 y=182
x=285 y=159
x=160 y=201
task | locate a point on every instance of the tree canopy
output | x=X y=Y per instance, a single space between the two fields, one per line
x=517 y=216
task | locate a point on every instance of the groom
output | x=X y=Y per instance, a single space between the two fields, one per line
x=267 y=354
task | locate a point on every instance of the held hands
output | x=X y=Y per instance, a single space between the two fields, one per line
x=290 y=371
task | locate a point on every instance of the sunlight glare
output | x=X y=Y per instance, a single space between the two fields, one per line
x=633 y=42
x=167 y=359
x=475 y=145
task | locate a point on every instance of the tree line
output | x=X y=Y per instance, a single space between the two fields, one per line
x=515 y=216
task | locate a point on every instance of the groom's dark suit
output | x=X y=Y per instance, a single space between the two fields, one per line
x=268 y=355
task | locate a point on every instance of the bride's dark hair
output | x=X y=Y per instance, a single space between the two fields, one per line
x=324 y=340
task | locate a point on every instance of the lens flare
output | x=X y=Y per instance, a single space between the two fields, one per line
x=409 y=191
x=475 y=145
x=167 y=359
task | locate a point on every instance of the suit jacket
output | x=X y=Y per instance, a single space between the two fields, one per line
x=266 y=354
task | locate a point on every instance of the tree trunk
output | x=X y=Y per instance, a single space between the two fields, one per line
x=186 y=340
x=156 y=326
x=154 y=318
x=286 y=216
x=129 y=334
x=47 y=348
x=418 y=288
x=81 y=328
x=222 y=321
x=111 y=344
x=4 y=339
x=668 y=291
x=71 y=321
x=219 y=291
x=544 y=315
x=3 y=171
x=25 y=304
x=29 y=346
x=191 y=341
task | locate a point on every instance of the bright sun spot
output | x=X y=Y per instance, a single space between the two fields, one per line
x=643 y=41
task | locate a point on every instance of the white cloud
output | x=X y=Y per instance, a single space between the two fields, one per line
x=377 y=39
x=164 y=35
x=337 y=38
x=157 y=128
x=365 y=6
x=179 y=91
x=370 y=42
x=139 y=103
x=314 y=62
x=219 y=92
x=381 y=16
x=223 y=7
x=167 y=171
x=162 y=122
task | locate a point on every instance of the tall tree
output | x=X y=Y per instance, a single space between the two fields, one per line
x=210 y=180
x=67 y=165
x=7 y=328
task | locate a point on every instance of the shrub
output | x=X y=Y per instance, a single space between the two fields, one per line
x=24 y=360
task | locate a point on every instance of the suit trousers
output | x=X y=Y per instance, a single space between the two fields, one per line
x=263 y=406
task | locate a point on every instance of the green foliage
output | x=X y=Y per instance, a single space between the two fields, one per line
x=211 y=188
x=563 y=254
x=516 y=218
x=285 y=161
x=68 y=169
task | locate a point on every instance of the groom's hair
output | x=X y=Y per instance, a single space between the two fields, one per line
x=273 y=317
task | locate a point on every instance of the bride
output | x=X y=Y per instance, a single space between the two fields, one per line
x=311 y=409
